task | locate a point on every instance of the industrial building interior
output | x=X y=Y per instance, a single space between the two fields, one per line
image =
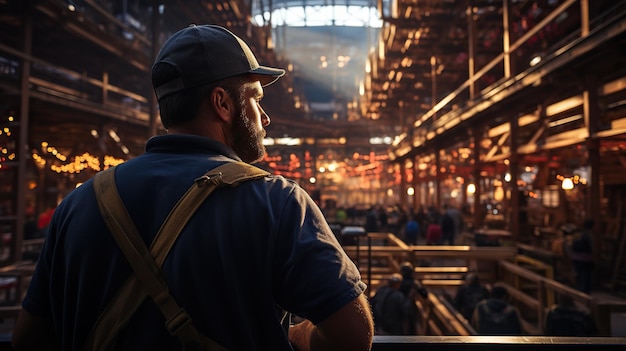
x=353 y=88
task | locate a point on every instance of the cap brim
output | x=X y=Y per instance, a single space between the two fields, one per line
x=268 y=75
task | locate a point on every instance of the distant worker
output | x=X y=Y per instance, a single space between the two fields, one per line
x=391 y=308
x=412 y=289
x=410 y=286
x=383 y=218
x=581 y=255
x=371 y=220
x=457 y=218
x=434 y=233
x=496 y=315
x=422 y=220
x=412 y=230
x=566 y=319
x=448 y=228
x=341 y=215
x=469 y=295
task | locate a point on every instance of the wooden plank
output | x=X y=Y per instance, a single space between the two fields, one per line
x=451 y=269
x=376 y=282
x=37 y=241
x=465 y=252
x=451 y=272
x=9 y=312
x=447 y=319
x=375 y=250
x=442 y=282
x=19 y=268
x=443 y=251
x=536 y=250
x=536 y=264
x=521 y=296
x=518 y=271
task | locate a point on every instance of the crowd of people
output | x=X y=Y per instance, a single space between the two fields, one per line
x=490 y=311
x=426 y=225
x=487 y=308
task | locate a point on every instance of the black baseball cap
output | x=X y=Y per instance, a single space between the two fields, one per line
x=203 y=54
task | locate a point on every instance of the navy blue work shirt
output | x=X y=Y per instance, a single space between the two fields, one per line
x=248 y=252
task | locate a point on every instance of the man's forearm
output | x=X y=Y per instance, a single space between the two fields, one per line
x=300 y=335
x=307 y=337
x=351 y=328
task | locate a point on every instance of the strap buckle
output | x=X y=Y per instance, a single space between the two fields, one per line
x=176 y=323
x=204 y=179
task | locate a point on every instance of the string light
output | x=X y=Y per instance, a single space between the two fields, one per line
x=86 y=161
x=567 y=184
x=471 y=188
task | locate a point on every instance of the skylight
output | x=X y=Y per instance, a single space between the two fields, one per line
x=322 y=15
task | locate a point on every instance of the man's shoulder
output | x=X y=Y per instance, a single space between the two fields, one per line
x=511 y=309
x=482 y=304
x=476 y=290
x=279 y=183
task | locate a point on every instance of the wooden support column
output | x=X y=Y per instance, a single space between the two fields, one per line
x=105 y=88
x=416 y=186
x=466 y=176
x=591 y=114
x=514 y=172
x=471 y=29
x=437 y=181
x=506 y=41
x=464 y=193
x=478 y=210
x=22 y=148
x=417 y=198
x=433 y=81
x=403 y=183
x=584 y=18
x=593 y=198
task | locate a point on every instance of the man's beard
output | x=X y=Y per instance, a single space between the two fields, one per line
x=247 y=141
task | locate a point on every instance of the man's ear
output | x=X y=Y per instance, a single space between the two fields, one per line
x=222 y=103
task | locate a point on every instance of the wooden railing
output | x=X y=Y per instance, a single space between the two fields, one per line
x=439 y=318
x=531 y=287
x=494 y=343
x=380 y=254
x=530 y=281
x=471 y=343
x=537 y=293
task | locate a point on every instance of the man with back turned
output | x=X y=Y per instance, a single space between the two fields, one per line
x=248 y=255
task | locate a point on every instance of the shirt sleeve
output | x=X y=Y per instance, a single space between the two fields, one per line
x=315 y=276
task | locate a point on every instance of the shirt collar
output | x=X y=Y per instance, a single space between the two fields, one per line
x=189 y=144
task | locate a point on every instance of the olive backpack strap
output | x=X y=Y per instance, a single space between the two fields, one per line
x=148 y=279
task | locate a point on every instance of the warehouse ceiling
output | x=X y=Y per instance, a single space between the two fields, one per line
x=349 y=80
